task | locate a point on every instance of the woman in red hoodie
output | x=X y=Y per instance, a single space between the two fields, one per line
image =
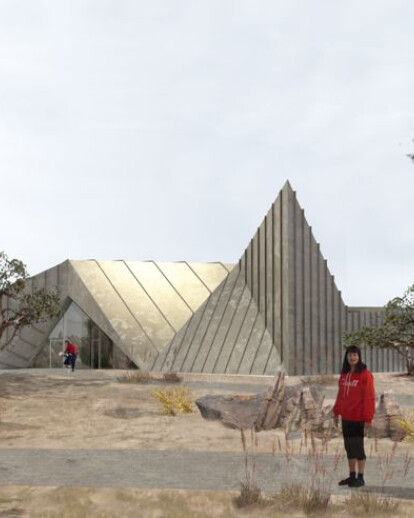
x=71 y=352
x=355 y=403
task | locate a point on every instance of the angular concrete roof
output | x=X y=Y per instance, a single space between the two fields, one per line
x=139 y=305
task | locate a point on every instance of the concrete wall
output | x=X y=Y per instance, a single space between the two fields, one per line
x=27 y=344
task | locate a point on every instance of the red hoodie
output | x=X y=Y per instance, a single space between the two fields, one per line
x=71 y=348
x=356 y=397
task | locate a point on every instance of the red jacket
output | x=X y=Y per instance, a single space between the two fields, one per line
x=71 y=348
x=356 y=397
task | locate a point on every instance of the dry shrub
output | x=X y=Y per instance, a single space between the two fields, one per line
x=249 y=494
x=135 y=377
x=319 y=379
x=310 y=501
x=171 y=377
x=371 y=503
x=407 y=424
x=175 y=401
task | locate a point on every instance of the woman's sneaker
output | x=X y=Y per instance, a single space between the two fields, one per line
x=346 y=481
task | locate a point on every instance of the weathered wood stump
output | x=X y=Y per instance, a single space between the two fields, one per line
x=293 y=409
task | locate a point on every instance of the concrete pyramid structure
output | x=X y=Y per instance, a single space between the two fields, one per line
x=279 y=304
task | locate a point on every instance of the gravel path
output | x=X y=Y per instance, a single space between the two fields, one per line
x=180 y=470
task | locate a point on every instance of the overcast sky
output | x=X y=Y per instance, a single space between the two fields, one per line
x=164 y=130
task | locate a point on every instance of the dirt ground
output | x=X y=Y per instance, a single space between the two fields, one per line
x=47 y=409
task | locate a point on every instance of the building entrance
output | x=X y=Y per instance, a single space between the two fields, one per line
x=96 y=349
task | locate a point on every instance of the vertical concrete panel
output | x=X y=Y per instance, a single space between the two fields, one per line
x=249 y=263
x=274 y=275
x=375 y=351
x=323 y=366
x=329 y=320
x=269 y=272
x=262 y=270
x=344 y=327
x=288 y=278
x=314 y=302
x=369 y=322
x=255 y=268
x=366 y=321
x=298 y=299
x=388 y=361
x=307 y=285
x=336 y=317
x=242 y=265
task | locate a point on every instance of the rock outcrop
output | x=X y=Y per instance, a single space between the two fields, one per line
x=295 y=410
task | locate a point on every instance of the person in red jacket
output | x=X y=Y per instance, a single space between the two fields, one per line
x=355 y=403
x=71 y=353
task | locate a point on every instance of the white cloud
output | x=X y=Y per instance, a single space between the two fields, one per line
x=165 y=130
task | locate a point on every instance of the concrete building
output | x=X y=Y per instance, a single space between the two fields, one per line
x=278 y=304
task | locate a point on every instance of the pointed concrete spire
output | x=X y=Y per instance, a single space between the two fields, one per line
x=293 y=288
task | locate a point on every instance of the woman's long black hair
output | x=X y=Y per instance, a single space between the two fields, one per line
x=359 y=367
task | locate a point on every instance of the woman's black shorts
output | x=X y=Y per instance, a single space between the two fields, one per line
x=353 y=432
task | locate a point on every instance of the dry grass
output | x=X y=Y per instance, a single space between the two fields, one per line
x=371 y=504
x=250 y=494
x=319 y=379
x=407 y=424
x=175 y=401
x=135 y=377
x=171 y=377
x=77 y=502
x=299 y=497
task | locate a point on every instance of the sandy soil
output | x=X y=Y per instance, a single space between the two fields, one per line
x=53 y=409
x=57 y=410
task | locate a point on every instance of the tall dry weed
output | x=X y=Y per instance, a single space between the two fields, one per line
x=250 y=493
x=298 y=497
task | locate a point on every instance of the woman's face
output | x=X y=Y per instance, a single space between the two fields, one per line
x=353 y=358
